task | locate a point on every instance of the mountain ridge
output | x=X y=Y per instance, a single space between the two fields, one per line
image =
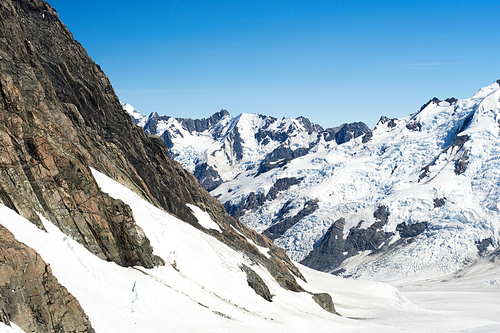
x=59 y=120
x=242 y=142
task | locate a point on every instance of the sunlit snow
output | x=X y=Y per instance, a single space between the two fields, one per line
x=202 y=288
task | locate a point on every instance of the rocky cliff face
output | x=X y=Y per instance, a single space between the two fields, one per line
x=59 y=117
x=45 y=164
x=30 y=295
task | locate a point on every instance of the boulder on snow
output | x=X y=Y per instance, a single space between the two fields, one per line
x=257 y=284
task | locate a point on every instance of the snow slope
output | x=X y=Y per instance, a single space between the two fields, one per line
x=202 y=289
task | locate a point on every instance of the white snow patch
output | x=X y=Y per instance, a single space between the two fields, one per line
x=204 y=219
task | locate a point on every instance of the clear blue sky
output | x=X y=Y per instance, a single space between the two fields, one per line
x=331 y=61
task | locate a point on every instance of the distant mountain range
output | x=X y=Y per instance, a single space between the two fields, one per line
x=219 y=148
x=417 y=195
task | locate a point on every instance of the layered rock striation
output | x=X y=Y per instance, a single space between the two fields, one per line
x=60 y=117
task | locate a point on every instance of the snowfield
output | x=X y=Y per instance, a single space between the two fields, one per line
x=202 y=288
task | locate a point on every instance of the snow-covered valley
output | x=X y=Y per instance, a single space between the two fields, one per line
x=202 y=288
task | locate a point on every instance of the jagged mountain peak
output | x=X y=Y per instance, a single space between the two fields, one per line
x=218 y=148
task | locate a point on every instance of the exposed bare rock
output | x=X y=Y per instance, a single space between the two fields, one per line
x=483 y=245
x=346 y=132
x=434 y=100
x=59 y=116
x=208 y=177
x=390 y=122
x=284 y=223
x=411 y=230
x=330 y=251
x=30 y=295
x=256 y=283
x=461 y=164
x=334 y=247
x=439 y=202
x=325 y=301
x=414 y=126
x=253 y=201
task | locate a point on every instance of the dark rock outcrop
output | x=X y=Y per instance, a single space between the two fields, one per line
x=329 y=253
x=325 y=301
x=257 y=284
x=30 y=295
x=411 y=230
x=333 y=248
x=434 y=100
x=370 y=239
x=482 y=246
x=439 y=202
x=368 y=136
x=281 y=185
x=207 y=176
x=455 y=146
x=451 y=100
x=201 y=125
x=390 y=122
x=461 y=163
x=253 y=201
x=266 y=166
x=381 y=214
x=284 y=223
x=414 y=126
x=345 y=132
x=458 y=142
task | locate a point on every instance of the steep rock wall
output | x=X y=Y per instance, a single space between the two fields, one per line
x=59 y=116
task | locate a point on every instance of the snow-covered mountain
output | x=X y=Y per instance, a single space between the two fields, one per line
x=219 y=148
x=417 y=195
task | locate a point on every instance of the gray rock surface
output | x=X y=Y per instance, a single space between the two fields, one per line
x=256 y=283
x=325 y=301
x=334 y=247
